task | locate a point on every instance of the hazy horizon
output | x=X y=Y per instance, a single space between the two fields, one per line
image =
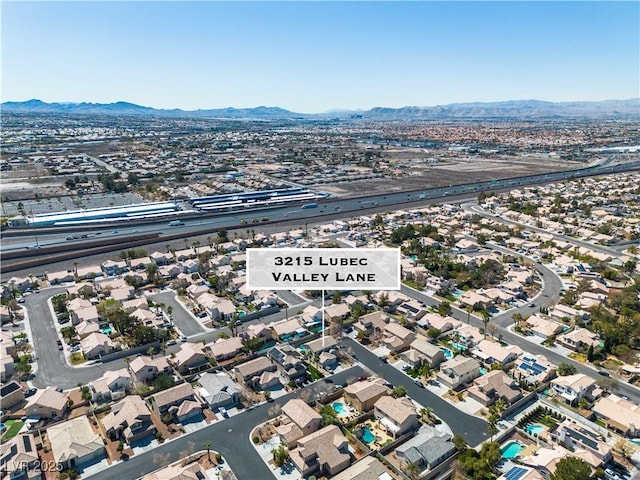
x=315 y=57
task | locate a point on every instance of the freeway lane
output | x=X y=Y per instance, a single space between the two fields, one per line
x=474 y=429
x=230 y=437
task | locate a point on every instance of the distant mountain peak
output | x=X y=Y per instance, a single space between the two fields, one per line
x=506 y=110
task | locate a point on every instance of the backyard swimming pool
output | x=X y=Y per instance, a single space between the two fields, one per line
x=448 y=354
x=512 y=450
x=534 y=428
x=338 y=407
x=367 y=436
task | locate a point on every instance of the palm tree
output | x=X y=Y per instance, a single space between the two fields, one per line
x=469 y=309
x=207 y=445
x=485 y=319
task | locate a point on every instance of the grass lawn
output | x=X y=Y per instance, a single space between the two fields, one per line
x=77 y=358
x=13 y=427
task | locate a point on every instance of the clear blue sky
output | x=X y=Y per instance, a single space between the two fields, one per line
x=316 y=56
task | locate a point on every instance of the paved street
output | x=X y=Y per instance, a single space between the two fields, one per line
x=474 y=429
x=181 y=318
x=230 y=437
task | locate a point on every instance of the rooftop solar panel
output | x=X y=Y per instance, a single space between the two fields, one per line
x=515 y=473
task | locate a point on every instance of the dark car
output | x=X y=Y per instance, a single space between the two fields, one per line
x=30 y=391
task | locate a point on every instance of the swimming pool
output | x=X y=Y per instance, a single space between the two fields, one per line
x=367 y=436
x=482 y=370
x=106 y=330
x=635 y=440
x=448 y=354
x=534 y=429
x=338 y=407
x=512 y=450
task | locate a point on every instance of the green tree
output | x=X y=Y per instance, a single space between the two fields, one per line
x=398 y=392
x=444 y=308
x=207 y=445
x=329 y=416
x=337 y=297
x=565 y=369
x=571 y=468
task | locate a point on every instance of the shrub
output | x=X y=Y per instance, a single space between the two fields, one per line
x=256 y=439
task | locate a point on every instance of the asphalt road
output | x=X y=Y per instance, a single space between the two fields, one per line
x=474 y=429
x=182 y=319
x=230 y=437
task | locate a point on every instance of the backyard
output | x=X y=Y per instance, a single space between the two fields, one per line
x=12 y=429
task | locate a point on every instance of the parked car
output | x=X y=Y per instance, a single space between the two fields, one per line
x=30 y=391
x=419 y=383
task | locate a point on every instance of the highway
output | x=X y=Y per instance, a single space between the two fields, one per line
x=338 y=208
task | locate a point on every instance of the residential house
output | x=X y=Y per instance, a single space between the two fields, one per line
x=47 y=403
x=620 y=415
x=96 y=344
x=320 y=345
x=572 y=388
x=495 y=385
x=561 y=311
x=249 y=372
x=113 y=385
x=288 y=360
x=225 y=348
x=337 y=312
x=191 y=471
x=219 y=390
x=364 y=394
x=368 y=468
x=11 y=395
x=396 y=415
x=299 y=420
x=325 y=452
x=543 y=327
x=74 y=443
x=578 y=339
x=129 y=420
x=396 y=337
x=533 y=370
x=190 y=359
x=492 y=352
x=257 y=330
x=422 y=352
x=458 y=371
x=429 y=448
x=145 y=369
x=19 y=458
x=574 y=436
x=173 y=396
x=372 y=324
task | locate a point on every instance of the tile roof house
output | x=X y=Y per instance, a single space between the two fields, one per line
x=48 y=403
x=173 y=396
x=368 y=468
x=144 y=369
x=396 y=337
x=219 y=390
x=427 y=449
x=619 y=414
x=458 y=371
x=325 y=452
x=494 y=385
x=533 y=369
x=364 y=394
x=19 y=457
x=225 y=348
x=396 y=415
x=492 y=352
x=288 y=360
x=426 y=352
x=249 y=372
x=571 y=388
x=129 y=419
x=190 y=358
x=74 y=442
x=579 y=338
x=305 y=417
x=97 y=344
x=113 y=385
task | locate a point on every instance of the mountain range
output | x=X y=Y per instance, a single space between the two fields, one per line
x=507 y=110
